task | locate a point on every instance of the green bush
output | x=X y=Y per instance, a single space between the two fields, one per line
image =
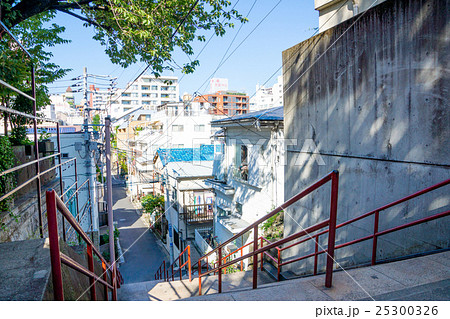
x=7 y=182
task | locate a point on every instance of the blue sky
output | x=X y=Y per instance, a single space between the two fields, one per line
x=255 y=61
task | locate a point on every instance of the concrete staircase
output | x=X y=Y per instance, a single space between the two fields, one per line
x=180 y=289
x=421 y=278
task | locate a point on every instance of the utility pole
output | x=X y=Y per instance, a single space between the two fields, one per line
x=109 y=202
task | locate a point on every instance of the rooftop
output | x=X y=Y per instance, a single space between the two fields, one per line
x=272 y=114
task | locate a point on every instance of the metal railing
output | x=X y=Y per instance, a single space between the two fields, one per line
x=166 y=273
x=55 y=204
x=37 y=161
x=330 y=223
x=373 y=236
x=198 y=213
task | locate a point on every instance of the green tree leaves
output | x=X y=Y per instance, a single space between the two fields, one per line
x=139 y=30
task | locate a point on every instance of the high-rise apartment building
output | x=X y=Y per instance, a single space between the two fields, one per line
x=224 y=103
x=266 y=98
x=147 y=91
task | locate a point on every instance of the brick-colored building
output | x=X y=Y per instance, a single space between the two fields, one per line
x=225 y=102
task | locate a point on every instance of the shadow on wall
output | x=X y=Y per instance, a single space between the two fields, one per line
x=376 y=105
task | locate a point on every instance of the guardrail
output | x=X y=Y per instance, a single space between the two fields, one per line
x=166 y=274
x=330 y=223
x=374 y=236
x=36 y=162
x=55 y=204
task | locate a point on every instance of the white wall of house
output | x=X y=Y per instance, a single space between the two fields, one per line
x=264 y=188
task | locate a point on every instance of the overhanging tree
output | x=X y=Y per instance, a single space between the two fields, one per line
x=139 y=30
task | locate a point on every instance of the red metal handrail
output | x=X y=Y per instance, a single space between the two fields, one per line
x=374 y=236
x=330 y=222
x=55 y=204
x=162 y=273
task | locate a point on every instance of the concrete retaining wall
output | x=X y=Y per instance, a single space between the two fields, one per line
x=373 y=97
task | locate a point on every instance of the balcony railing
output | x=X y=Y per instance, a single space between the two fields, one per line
x=198 y=213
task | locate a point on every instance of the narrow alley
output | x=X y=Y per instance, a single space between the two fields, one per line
x=141 y=250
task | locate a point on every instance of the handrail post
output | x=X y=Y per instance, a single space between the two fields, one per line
x=332 y=228
x=164 y=267
x=242 y=262
x=91 y=269
x=262 y=255
x=220 y=269
x=316 y=251
x=76 y=189
x=199 y=277
x=189 y=263
x=375 y=238
x=61 y=185
x=54 y=245
x=255 y=257
x=105 y=278
x=114 y=281
x=36 y=155
x=278 y=264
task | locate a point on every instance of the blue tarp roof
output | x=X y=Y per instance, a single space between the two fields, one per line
x=204 y=153
x=272 y=114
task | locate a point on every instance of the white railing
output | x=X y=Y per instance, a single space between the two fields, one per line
x=203 y=245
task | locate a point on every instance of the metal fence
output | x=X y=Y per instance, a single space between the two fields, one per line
x=37 y=161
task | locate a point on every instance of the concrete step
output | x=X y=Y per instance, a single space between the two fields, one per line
x=175 y=290
x=421 y=278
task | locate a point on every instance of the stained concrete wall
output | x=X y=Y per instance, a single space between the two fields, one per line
x=22 y=223
x=373 y=97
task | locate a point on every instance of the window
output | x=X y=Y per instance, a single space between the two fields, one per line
x=177 y=128
x=126 y=102
x=154 y=87
x=126 y=94
x=241 y=161
x=238 y=209
x=146 y=102
x=147 y=80
x=176 y=239
x=134 y=94
x=148 y=117
x=145 y=88
x=199 y=128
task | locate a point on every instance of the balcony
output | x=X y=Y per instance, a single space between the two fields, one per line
x=198 y=213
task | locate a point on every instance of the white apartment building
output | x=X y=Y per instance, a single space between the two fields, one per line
x=60 y=109
x=147 y=91
x=174 y=125
x=266 y=98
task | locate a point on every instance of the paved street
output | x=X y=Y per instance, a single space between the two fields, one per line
x=142 y=252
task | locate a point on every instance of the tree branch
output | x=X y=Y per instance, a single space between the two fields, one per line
x=92 y=22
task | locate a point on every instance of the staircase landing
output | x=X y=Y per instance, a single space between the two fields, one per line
x=163 y=291
x=421 y=278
